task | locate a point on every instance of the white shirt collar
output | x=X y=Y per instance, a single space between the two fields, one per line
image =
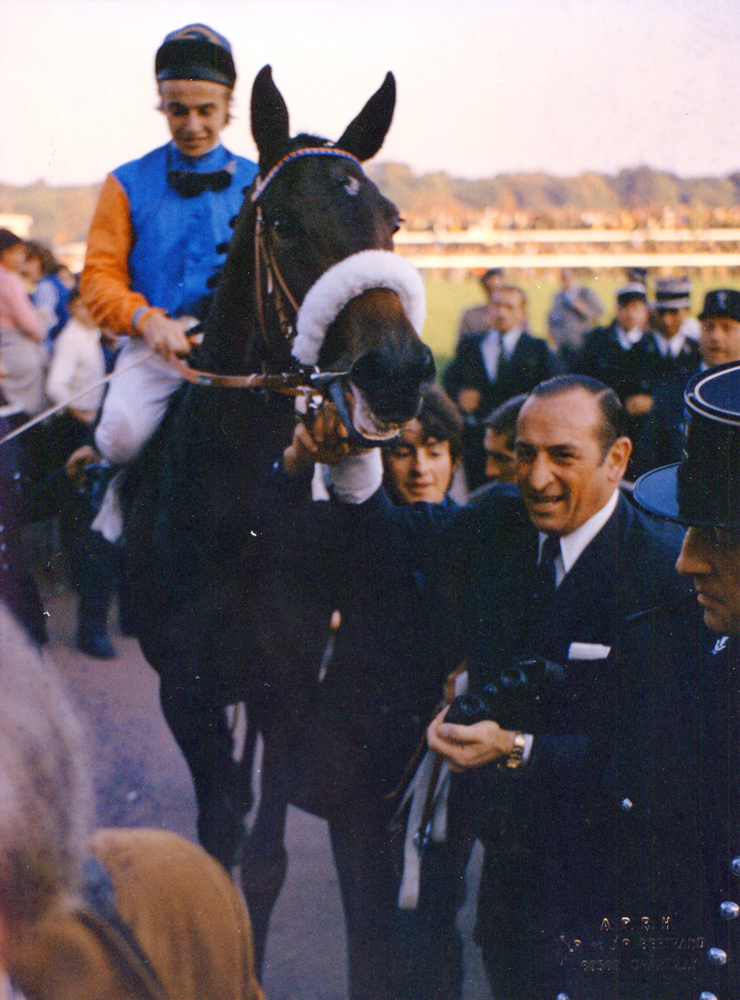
x=572 y=545
x=510 y=339
x=494 y=344
x=628 y=338
x=674 y=346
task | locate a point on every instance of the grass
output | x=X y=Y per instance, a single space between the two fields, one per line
x=447 y=299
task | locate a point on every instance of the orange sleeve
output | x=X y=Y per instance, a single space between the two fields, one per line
x=105 y=280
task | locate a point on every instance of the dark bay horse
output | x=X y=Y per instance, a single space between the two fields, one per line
x=194 y=510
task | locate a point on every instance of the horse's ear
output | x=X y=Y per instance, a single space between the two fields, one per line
x=364 y=136
x=270 y=125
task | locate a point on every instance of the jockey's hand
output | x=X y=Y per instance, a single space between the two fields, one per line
x=469 y=746
x=324 y=441
x=167 y=336
x=78 y=461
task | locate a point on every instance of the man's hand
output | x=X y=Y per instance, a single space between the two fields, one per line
x=469 y=400
x=325 y=441
x=469 y=746
x=167 y=336
x=639 y=404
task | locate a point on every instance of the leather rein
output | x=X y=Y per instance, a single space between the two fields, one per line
x=303 y=382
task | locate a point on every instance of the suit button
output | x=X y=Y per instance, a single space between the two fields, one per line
x=735 y=867
x=626 y=805
x=729 y=911
x=707 y=996
x=716 y=956
x=562 y=996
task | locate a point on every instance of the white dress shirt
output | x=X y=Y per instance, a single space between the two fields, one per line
x=572 y=545
x=492 y=346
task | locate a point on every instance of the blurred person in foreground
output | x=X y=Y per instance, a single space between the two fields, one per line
x=161 y=230
x=119 y=915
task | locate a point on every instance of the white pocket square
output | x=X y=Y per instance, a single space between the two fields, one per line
x=588 y=651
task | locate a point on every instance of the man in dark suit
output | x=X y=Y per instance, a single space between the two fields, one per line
x=491 y=366
x=605 y=561
x=659 y=913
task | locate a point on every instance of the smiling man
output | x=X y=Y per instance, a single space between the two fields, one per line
x=551 y=573
x=160 y=233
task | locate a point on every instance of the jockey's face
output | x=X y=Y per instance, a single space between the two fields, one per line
x=419 y=467
x=196 y=112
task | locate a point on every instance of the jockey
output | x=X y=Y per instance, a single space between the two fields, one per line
x=159 y=233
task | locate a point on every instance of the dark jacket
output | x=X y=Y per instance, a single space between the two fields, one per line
x=663 y=433
x=662 y=819
x=531 y=362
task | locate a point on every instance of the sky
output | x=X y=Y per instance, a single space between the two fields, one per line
x=484 y=86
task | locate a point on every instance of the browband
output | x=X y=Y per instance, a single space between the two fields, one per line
x=297 y=154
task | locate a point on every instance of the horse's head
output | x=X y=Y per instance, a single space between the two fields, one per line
x=313 y=214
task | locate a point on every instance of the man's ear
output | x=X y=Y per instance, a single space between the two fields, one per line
x=617 y=458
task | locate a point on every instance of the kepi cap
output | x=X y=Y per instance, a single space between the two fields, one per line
x=195 y=52
x=704 y=487
x=672 y=293
x=722 y=303
x=633 y=292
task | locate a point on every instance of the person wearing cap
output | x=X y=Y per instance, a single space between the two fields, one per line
x=719 y=343
x=574 y=311
x=160 y=232
x=660 y=912
x=678 y=354
x=481 y=317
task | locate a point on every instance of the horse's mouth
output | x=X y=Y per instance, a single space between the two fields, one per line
x=366 y=422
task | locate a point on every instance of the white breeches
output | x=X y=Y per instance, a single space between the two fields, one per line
x=135 y=403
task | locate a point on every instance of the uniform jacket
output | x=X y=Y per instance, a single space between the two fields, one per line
x=662 y=819
x=149 y=246
x=663 y=433
x=628 y=373
x=189 y=922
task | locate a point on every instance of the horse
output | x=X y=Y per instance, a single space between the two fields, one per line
x=309 y=286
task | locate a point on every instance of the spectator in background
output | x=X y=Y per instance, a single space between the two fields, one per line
x=719 y=343
x=122 y=913
x=620 y=356
x=498 y=441
x=481 y=317
x=53 y=282
x=490 y=367
x=678 y=355
x=21 y=332
x=575 y=310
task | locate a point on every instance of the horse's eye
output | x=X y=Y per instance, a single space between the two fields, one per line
x=352 y=185
x=284 y=225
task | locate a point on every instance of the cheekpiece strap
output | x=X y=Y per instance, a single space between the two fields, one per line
x=298 y=154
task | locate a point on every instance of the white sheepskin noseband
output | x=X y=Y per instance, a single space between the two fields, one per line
x=345 y=281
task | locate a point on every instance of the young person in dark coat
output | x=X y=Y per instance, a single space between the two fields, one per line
x=610 y=561
x=380 y=682
x=490 y=367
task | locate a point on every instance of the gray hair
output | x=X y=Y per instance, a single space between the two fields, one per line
x=45 y=788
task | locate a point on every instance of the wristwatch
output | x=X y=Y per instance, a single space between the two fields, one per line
x=514 y=759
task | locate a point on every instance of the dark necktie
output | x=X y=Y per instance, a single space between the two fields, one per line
x=189 y=184
x=544 y=576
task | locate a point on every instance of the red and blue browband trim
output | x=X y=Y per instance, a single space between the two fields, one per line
x=297 y=154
